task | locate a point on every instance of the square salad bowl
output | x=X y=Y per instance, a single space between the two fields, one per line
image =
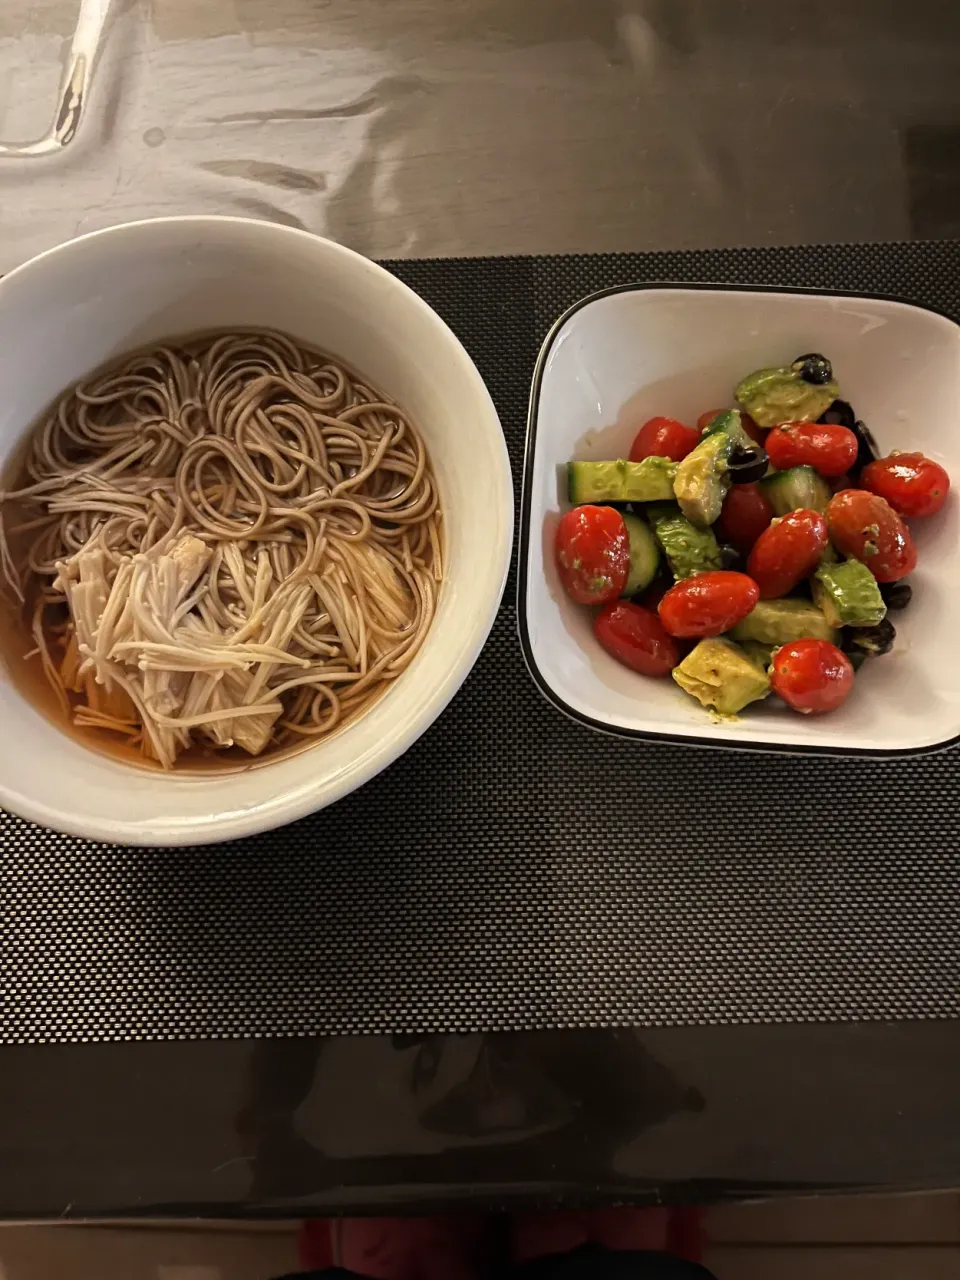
x=627 y=354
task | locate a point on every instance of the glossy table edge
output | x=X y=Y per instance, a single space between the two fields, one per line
x=312 y=1126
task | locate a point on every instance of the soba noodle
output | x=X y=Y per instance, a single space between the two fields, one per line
x=226 y=541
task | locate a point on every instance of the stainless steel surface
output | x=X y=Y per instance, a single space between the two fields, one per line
x=423 y=127
x=68 y=110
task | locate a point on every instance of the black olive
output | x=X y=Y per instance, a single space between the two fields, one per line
x=857 y=659
x=813 y=368
x=730 y=557
x=748 y=465
x=871 y=641
x=867 y=448
x=896 y=595
x=840 y=414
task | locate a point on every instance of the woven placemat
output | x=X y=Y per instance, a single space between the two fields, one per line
x=478 y=884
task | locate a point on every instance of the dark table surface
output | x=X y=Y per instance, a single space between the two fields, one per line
x=316 y=1126
x=553 y=125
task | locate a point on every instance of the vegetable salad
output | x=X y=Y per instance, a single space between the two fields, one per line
x=758 y=552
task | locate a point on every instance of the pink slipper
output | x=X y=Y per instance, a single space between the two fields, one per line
x=395 y=1248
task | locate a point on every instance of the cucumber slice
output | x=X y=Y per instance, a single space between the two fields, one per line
x=728 y=421
x=644 y=555
x=796 y=488
x=593 y=482
x=648 y=481
x=688 y=550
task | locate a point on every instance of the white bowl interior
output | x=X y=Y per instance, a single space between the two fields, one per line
x=65 y=313
x=624 y=357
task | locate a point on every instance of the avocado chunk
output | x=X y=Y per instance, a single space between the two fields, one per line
x=777 y=622
x=772 y=396
x=648 y=481
x=799 y=487
x=848 y=595
x=759 y=653
x=644 y=554
x=719 y=674
x=688 y=550
x=702 y=478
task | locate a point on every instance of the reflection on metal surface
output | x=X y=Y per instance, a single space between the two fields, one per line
x=421 y=128
x=271 y=175
x=74 y=85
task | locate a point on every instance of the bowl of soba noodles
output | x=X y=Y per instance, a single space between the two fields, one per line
x=255 y=520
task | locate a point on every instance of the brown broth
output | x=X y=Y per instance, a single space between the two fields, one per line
x=28 y=676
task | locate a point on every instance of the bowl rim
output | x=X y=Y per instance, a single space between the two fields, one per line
x=525 y=532
x=215 y=828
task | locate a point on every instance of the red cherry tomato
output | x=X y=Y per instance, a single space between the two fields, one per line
x=708 y=603
x=811 y=675
x=825 y=446
x=663 y=438
x=746 y=513
x=863 y=526
x=593 y=554
x=750 y=427
x=787 y=552
x=635 y=636
x=913 y=484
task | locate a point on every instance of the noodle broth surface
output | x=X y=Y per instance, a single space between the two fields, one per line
x=221 y=540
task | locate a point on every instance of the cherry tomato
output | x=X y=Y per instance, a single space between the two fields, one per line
x=829 y=448
x=811 y=675
x=787 y=552
x=746 y=513
x=708 y=603
x=750 y=427
x=635 y=636
x=913 y=484
x=863 y=526
x=593 y=554
x=664 y=438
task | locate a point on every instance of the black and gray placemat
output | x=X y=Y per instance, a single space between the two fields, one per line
x=514 y=871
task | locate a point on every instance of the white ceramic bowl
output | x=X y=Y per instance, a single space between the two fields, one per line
x=620 y=357
x=69 y=310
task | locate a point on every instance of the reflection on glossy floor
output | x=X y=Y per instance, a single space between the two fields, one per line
x=851 y=1238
